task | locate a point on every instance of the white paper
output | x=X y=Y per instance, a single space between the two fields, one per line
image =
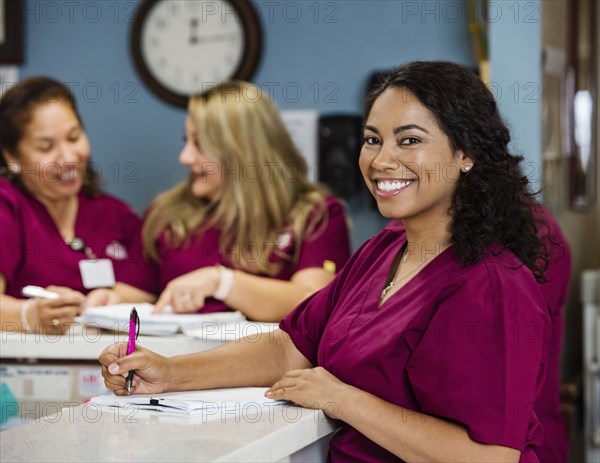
x=9 y=76
x=193 y=402
x=303 y=126
x=116 y=318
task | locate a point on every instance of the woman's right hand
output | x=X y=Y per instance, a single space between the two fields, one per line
x=54 y=316
x=151 y=370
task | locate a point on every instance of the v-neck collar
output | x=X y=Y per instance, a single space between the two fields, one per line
x=421 y=274
x=48 y=218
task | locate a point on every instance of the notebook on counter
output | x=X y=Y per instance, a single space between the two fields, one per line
x=116 y=317
x=207 y=402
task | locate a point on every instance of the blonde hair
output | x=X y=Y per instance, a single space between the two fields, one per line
x=266 y=191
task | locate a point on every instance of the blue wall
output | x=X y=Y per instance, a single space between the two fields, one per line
x=516 y=76
x=327 y=49
x=136 y=137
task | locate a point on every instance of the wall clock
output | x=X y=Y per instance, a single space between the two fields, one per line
x=182 y=47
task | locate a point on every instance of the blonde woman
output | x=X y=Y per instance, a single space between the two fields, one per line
x=246 y=230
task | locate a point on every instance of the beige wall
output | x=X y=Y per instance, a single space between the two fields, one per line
x=582 y=228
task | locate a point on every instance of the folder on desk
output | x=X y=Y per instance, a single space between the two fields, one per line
x=208 y=402
x=116 y=317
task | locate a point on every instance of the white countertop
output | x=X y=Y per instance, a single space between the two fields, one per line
x=83 y=342
x=88 y=433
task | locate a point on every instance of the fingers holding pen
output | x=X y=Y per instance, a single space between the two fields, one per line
x=108 y=358
x=151 y=369
x=67 y=297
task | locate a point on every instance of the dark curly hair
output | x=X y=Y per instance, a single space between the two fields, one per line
x=16 y=111
x=492 y=202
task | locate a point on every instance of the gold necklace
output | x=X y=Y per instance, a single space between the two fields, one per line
x=391 y=284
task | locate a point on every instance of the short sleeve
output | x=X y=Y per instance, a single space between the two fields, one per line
x=330 y=239
x=481 y=360
x=306 y=323
x=10 y=232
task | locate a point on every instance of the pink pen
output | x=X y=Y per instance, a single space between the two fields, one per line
x=134 y=326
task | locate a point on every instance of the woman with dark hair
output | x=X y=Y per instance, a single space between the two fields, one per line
x=555 y=290
x=57 y=227
x=431 y=343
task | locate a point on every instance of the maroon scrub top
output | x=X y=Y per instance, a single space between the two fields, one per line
x=32 y=251
x=556 y=444
x=555 y=447
x=329 y=240
x=467 y=344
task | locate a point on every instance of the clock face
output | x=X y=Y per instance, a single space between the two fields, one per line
x=182 y=47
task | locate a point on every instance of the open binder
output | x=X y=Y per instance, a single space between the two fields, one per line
x=116 y=317
x=209 y=402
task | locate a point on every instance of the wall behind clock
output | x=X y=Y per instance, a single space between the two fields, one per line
x=318 y=54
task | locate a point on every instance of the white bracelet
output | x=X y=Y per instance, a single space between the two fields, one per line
x=225 y=283
x=24 y=308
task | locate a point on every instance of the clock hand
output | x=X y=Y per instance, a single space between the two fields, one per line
x=213 y=38
x=194 y=30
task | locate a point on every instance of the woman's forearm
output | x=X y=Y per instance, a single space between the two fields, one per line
x=10 y=313
x=270 y=300
x=247 y=362
x=414 y=436
x=128 y=293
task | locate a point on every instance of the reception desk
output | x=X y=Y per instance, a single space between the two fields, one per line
x=45 y=373
x=89 y=433
x=52 y=377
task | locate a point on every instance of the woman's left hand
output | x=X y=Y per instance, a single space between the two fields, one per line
x=310 y=388
x=188 y=292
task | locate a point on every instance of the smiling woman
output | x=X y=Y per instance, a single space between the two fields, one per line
x=56 y=146
x=455 y=352
x=57 y=227
x=246 y=221
x=407 y=160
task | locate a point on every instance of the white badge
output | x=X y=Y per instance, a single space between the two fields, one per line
x=97 y=273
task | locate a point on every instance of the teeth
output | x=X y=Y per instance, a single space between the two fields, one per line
x=68 y=176
x=392 y=185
